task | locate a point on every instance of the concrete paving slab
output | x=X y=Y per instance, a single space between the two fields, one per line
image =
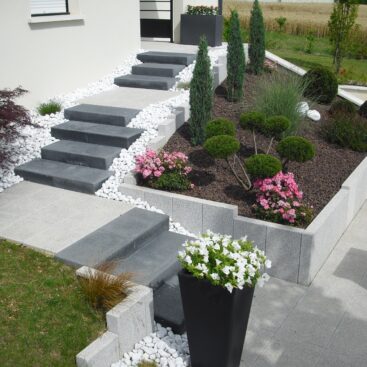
x=51 y=219
x=168 y=47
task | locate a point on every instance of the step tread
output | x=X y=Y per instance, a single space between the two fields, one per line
x=167 y=57
x=101 y=114
x=64 y=175
x=116 y=239
x=168 y=70
x=80 y=153
x=155 y=262
x=145 y=81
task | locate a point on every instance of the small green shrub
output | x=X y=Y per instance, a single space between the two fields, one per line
x=281 y=23
x=263 y=166
x=220 y=126
x=363 y=110
x=346 y=131
x=253 y=121
x=275 y=126
x=147 y=364
x=321 y=85
x=171 y=181
x=342 y=106
x=222 y=146
x=295 y=148
x=49 y=107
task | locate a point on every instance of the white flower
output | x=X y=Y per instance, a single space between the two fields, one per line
x=268 y=264
x=214 y=276
x=188 y=259
x=226 y=270
x=229 y=287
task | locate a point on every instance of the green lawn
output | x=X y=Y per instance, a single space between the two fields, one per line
x=292 y=48
x=44 y=318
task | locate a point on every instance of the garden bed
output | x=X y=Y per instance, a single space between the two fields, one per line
x=320 y=179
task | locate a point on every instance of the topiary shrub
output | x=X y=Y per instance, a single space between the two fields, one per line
x=363 y=110
x=220 y=126
x=295 y=148
x=222 y=146
x=263 y=166
x=342 y=106
x=254 y=121
x=171 y=181
x=274 y=127
x=201 y=95
x=48 y=108
x=321 y=85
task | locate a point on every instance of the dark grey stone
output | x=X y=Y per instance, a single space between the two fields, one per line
x=156 y=261
x=168 y=309
x=168 y=70
x=117 y=239
x=145 y=81
x=116 y=136
x=167 y=57
x=193 y=27
x=82 y=154
x=101 y=114
x=63 y=175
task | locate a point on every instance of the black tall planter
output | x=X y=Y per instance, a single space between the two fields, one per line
x=216 y=321
x=195 y=26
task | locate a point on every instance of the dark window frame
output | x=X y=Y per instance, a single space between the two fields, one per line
x=51 y=14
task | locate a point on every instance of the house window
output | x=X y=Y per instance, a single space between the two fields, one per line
x=49 y=7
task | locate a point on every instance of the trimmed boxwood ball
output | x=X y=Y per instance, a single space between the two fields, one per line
x=321 y=85
x=263 y=166
x=295 y=148
x=252 y=121
x=342 y=106
x=276 y=126
x=220 y=126
x=222 y=146
x=363 y=110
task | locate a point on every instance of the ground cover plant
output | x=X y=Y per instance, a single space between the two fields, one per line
x=44 y=317
x=48 y=108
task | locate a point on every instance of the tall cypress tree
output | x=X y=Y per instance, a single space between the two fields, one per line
x=257 y=39
x=201 y=94
x=235 y=59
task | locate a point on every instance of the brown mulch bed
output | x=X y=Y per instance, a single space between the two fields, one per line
x=319 y=179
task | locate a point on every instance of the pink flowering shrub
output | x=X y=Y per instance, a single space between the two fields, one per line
x=164 y=170
x=279 y=200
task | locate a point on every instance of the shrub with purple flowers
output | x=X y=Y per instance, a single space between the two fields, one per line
x=164 y=170
x=279 y=200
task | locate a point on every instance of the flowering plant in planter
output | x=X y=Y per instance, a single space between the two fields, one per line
x=279 y=200
x=225 y=262
x=164 y=170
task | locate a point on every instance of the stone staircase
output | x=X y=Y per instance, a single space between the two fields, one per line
x=157 y=71
x=138 y=241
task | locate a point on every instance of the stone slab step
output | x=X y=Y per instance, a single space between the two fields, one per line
x=167 y=57
x=117 y=239
x=155 y=262
x=63 y=175
x=168 y=70
x=116 y=136
x=101 y=114
x=145 y=81
x=168 y=310
x=82 y=154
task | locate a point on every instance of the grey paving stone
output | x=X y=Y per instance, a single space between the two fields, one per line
x=79 y=153
x=63 y=175
x=116 y=136
x=168 y=70
x=101 y=114
x=254 y=229
x=332 y=359
x=145 y=81
x=167 y=57
x=117 y=239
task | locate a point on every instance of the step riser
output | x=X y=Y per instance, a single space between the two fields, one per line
x=143 y=84
x=95 y=118
x=141 y=70
x=91 y=138
x=166 y=273
x=165 y=59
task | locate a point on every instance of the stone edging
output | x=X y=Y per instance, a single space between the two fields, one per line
x=127 y=323
x=296 y=254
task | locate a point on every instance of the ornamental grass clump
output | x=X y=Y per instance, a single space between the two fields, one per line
x=49 y=108
x=164 y=170
x=279 y=200
x=224 y=262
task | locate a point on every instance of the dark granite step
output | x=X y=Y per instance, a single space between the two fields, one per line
x=167 y=57
x=145 y=81
x=153 y=69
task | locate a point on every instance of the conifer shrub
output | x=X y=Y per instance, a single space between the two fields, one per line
x=253 y=121
x=222 y=146
x=262 y=166
x=235 y=59
x=342 y=106
x=275 y=126
x=257 y=39
x=201 y=94
x=220 y=126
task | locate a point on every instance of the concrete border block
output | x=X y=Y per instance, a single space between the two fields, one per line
x=254 y=229
x=218 y=217
x=157 y=143
x=130 y=179
x=161 y=200
x=100 y=353
x=167 y=128
x=136 y=192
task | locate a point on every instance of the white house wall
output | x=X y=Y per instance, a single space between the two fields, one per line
x=56 y=54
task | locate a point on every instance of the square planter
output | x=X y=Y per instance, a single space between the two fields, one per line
x=195 y=26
